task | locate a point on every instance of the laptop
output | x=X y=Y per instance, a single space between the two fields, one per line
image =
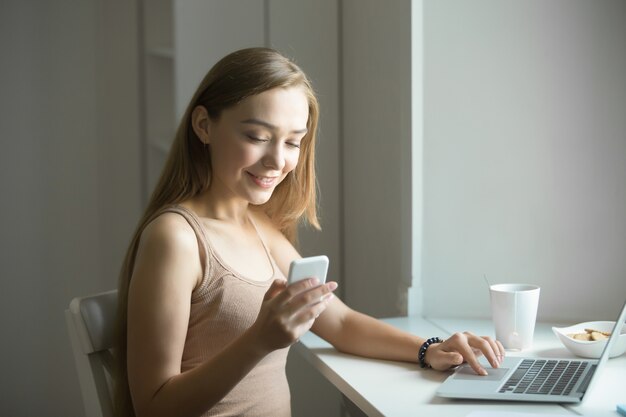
x=532 y=379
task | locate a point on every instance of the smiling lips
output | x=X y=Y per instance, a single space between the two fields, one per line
x=264 y=182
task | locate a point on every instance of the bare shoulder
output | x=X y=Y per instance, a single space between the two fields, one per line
x=169 y=243
x=165 y=273
x=170 y=231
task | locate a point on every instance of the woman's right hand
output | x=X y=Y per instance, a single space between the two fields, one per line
x=465 y=347
x=289 y=311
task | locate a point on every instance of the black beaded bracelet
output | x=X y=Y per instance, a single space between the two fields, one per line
x=421 y=355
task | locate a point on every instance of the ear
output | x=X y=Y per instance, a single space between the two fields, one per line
x=201 y=124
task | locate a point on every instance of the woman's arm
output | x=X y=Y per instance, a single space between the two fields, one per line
x=356 y=333
x=167 y=269
x=352 y=332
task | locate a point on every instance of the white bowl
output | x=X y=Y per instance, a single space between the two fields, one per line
x=591 y=349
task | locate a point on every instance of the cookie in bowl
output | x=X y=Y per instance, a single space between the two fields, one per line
x=589 y=338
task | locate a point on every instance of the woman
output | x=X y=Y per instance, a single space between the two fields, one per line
x=206 y=317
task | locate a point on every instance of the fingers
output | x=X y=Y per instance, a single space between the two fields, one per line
x=277 y=286
x=308 y=290
x=299 y=302
x=312 y=311
x=470 y=346
x=460 y=343
x=311 y=299
x=497 y=348
x=488 y=347
x=501 y=351
x=483 y=345
x=296 y=288
x=304 y=308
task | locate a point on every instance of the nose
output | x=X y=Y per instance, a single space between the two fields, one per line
x=274 y=157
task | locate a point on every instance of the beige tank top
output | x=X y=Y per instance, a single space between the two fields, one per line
x=224 y=306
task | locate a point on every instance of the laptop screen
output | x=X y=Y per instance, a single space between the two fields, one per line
x=617 y=330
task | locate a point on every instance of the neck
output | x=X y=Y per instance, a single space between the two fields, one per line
x=233 y=211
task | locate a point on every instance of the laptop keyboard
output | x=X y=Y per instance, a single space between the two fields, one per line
x=549 y=377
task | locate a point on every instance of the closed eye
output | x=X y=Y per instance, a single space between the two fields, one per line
x=256 y=140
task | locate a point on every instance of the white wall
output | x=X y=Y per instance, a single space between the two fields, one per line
x=525 y=154
x=68 y=189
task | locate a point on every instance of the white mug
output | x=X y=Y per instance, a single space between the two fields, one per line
x=514 y=313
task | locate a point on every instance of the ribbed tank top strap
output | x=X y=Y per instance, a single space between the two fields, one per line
x=265 y=247
x=205 y=245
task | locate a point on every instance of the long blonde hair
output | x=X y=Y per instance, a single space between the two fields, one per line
x=187 y=172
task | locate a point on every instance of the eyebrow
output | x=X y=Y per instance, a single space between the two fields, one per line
x=270 y=126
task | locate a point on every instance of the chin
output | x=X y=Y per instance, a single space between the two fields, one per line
x=259 y=199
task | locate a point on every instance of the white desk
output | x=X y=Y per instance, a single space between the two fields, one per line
x=396 y=389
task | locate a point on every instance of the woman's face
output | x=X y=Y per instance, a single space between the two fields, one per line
x=255 y=144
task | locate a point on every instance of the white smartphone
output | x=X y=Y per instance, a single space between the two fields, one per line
x=311 y=267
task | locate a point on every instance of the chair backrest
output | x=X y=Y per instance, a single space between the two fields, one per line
x=91 y=322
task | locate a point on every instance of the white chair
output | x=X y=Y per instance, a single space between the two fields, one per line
x=91 y=323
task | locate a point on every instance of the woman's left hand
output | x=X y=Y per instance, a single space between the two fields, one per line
x=465 y=347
